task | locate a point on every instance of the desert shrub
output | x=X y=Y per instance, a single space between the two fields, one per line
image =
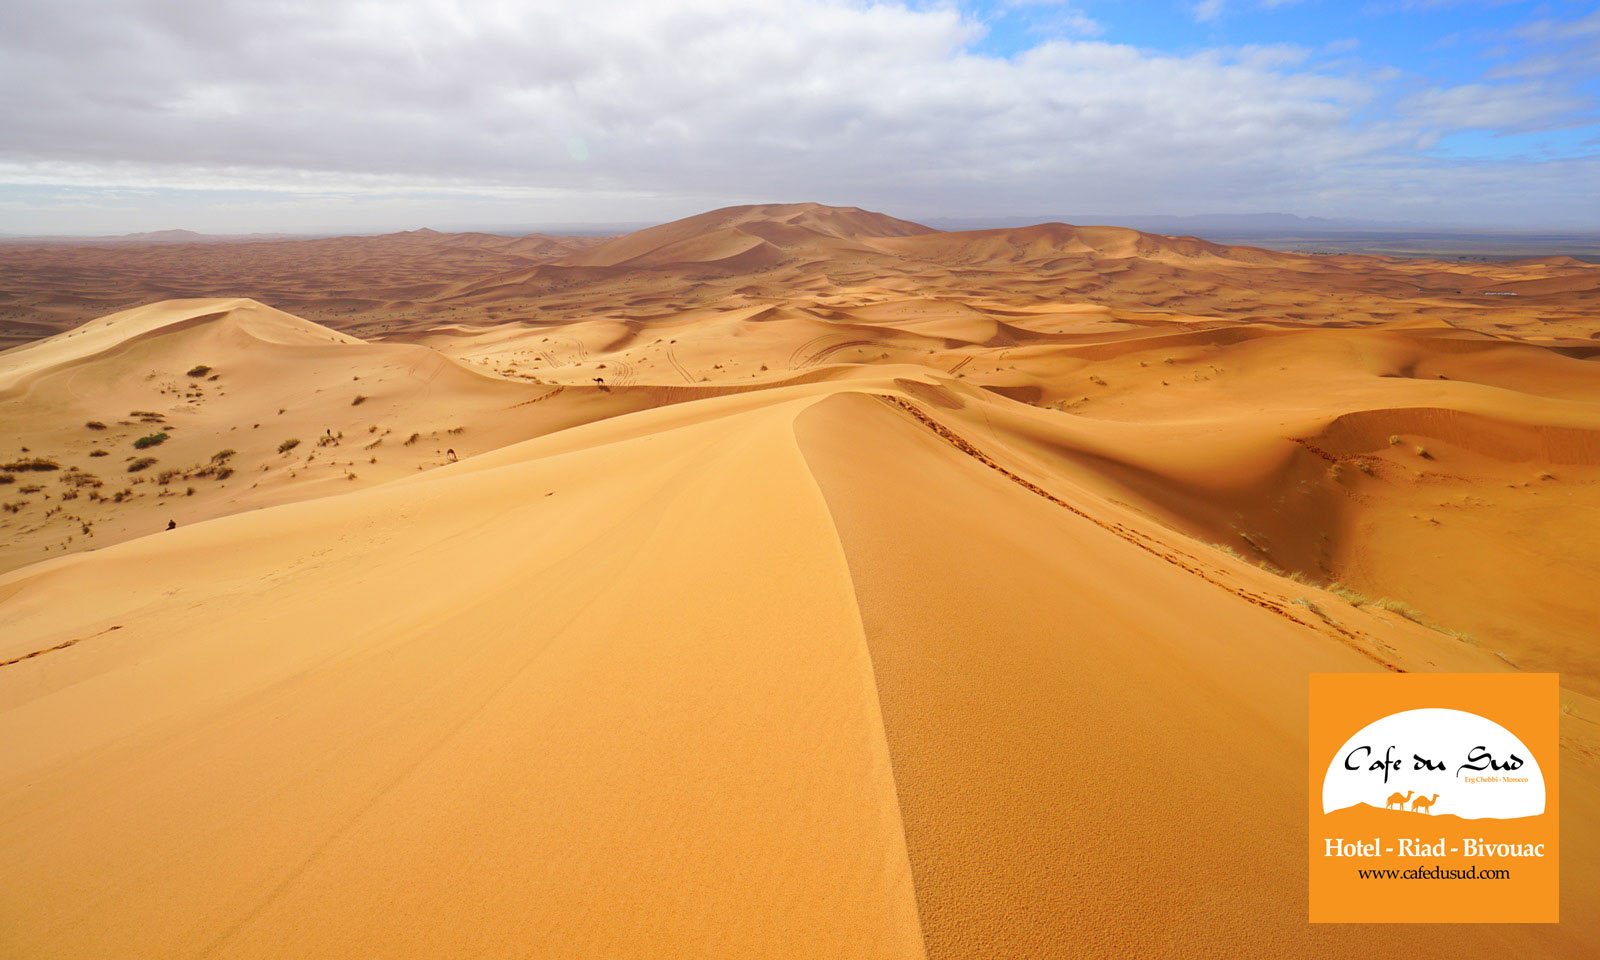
x=412 y=439
x=152 y=440
x=140 y=464
x=95 y=425
x=221 y=455
x=30 y=488
x=7 y=478
x=97 y=453
x=167 y=476
x=358 y=401
x=199 y=370
x=15 y=507
x=30 y=463
x=288 y=445
x=224 y=473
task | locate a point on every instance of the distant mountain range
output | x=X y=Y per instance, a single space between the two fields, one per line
x=157 y=236
x=1226 y=227
x=1230 y=224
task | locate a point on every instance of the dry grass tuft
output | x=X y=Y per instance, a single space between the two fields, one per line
x=30 y=463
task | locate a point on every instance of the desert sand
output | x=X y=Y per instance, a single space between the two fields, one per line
x=787 y=581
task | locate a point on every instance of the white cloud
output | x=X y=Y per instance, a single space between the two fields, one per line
x=1503 y=108
x=1557 y=48
x=1059 y=17
x=560 y=108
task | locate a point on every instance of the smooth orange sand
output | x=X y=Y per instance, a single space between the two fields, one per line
x=892 y=594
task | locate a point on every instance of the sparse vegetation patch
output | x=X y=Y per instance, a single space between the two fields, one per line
x=78 y=478
x=30 y=463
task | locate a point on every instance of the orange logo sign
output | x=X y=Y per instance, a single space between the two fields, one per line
x=1433 y=798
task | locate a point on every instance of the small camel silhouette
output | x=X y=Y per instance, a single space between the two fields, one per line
x=1395 y=800
x=1424 y=804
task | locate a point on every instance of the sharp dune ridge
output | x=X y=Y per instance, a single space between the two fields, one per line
x=887 y=593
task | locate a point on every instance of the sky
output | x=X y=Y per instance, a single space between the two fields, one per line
x=235 y=116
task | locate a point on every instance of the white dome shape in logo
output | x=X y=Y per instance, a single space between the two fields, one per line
x=1436 y=761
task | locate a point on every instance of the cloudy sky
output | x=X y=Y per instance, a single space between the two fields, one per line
x=325 y=115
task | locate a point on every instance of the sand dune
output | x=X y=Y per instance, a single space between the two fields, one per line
x=714 y=236
x=186 y=410
x=884 y=593
x=361 y=282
